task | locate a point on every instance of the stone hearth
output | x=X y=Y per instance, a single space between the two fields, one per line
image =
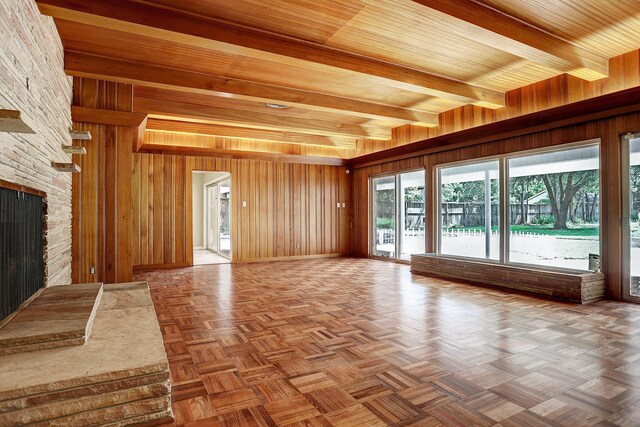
x=120 y=376
x=58 y=317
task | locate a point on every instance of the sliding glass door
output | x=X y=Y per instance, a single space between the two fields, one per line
x=398 y=215
x=384 y=217
x=534 y=208
x=411 y=215
x=631 y=223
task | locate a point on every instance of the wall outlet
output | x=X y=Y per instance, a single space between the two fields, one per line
x=338 y=205
x=92 y=270
x=244 y=204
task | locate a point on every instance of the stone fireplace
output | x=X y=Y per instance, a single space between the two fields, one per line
x=23 y=214
x=33 y=82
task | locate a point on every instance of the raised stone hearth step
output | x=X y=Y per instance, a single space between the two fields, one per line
x=119 y=377
x=60 y=316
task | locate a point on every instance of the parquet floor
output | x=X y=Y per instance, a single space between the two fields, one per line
x=354 y=342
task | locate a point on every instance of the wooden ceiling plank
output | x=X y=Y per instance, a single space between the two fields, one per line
x=499 y=30
x=248 y=133
x=108 y=68
x=171 y=25
x=253 y=119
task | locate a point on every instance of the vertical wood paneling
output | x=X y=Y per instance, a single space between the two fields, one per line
x=102 y=199
x=290 y=208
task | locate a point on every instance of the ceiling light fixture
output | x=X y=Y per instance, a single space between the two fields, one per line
x=277 y=106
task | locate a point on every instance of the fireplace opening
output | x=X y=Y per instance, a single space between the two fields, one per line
x=22 y=231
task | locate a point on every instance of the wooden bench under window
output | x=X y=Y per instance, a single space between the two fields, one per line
x=578 y=287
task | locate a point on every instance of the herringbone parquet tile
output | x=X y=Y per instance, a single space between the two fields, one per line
x=353 y=342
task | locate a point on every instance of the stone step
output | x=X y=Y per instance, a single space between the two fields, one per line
x=119 y=377
x=60 y=316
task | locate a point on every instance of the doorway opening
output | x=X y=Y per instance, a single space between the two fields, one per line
x=211 y=217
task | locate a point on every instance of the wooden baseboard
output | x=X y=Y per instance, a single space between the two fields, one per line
x=160 y=266
x=286 y=258
x=242 y=261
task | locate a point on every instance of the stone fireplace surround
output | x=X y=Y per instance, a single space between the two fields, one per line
x=81 y=384
x=33 y=82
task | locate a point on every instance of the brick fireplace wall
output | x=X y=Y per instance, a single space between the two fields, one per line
x=32 y=80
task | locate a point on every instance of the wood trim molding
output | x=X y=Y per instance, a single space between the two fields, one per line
x=161 y=266
x=613 y=104
x=238 y=154
x=139 y=135
x=286 y=258
x=256 y=119
x=106 y=117
x=249 y=133
x=23 y=188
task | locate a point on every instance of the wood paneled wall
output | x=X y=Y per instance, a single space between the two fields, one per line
x=624 y=73
x=291 y=209
x=608 y=130
x=101 y=196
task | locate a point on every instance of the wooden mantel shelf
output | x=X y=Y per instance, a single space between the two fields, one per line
x=15 y=122
x=577 y=287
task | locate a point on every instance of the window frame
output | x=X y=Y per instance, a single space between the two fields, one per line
x=437 y=222
x=625 y=165
x=505 y=214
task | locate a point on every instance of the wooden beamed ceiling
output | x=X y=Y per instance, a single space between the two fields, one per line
x=346 y=69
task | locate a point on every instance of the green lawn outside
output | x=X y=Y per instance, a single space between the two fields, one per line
x=585 y=230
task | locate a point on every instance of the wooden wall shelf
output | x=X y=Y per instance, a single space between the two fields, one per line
x=74 y=149
x=81 y=135
x=15 y=122
x=66 y=167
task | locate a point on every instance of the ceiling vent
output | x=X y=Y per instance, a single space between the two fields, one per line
x=277 y=106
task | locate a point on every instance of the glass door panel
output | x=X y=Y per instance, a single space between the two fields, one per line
x=412 y=210
x=470 y=210
x=384 y=216
x=632 y=246
x=224 y=231
x=212 y=217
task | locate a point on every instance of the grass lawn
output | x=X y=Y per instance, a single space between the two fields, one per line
x=585 y=230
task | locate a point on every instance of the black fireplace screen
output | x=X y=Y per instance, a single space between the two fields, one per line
x=21 y=246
